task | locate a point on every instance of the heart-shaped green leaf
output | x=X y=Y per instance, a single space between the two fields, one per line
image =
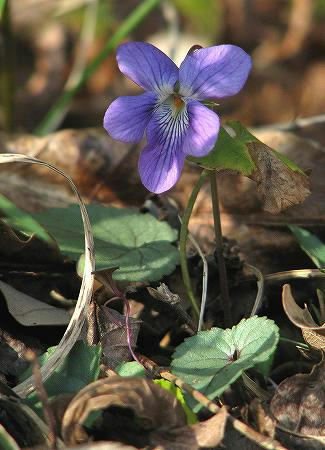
x=138 y=244
x=212 y=360
x=228 y=153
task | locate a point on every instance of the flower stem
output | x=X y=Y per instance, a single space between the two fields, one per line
x=7 y=60
x=183 y=239
x=225 y=301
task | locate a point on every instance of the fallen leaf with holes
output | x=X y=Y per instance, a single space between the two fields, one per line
x=313 y=334
x=132 y=408
x=108 y=327
x=299 y=402
x=29 y=311
x=279 y=186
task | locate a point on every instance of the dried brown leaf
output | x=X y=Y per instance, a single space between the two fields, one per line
x=193 y=437
x=29 y=311
x=153 y=407
x=279 y=186
x=210 y=432
x=299 y=402
x=113 y=335
x=313 y=334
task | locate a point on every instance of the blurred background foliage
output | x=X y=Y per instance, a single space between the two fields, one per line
x=47 y=44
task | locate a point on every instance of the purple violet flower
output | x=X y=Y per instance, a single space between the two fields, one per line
x=176 y=123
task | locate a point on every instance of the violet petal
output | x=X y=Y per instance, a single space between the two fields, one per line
x=203 y=129
x=147 y=66
x=127 y=117
x=214 y=72
x=161 y=161
x=160 y=168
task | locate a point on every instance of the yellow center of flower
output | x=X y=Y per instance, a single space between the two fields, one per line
x=178 y=102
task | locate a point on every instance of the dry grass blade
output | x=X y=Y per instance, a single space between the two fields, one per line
x=75 y=325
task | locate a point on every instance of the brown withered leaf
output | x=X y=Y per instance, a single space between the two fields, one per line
x=279 y=186
x=132 y=408
x=193 y=437
x=313 y=334
x=299 y=402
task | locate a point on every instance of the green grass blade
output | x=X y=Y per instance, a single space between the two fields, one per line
x=2 y=7
x=126 y=27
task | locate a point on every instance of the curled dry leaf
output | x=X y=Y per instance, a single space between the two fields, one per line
x=152 y=408
x=279 y=186
x=108 y=327
x=77 y=320
x=299 y=402
x=200 y=435
x=313 y=334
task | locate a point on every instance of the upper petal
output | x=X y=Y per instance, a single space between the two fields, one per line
x=147 y=66
x=202 y=131
x=126 y=118
x=214 y=72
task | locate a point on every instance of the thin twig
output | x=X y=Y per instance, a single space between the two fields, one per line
x=246 y=430
x=295 y=125
x=225 y=300
x=7 y=54
x=205 y=273
x=183 y=239
x=41 y=392
x=289 y=274
x=260 y=288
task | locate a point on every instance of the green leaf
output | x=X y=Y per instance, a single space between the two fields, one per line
x=177 y=392
x=2 y=7
x=23 y=221
x=130 y=369
x=78 y=369
x=137 y=243
x=245 y=137
x=311 y=245
x=212 y=360
x=228 y=153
